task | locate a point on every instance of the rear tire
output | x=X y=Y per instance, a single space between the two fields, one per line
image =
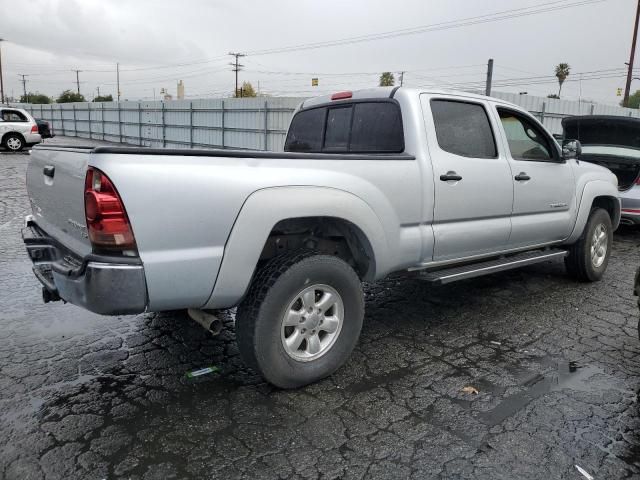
x=589 y=256
x=301 y=318
x=13 y=142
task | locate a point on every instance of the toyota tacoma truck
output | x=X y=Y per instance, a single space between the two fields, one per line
x=441 y=185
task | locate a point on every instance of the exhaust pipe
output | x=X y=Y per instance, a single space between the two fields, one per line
x=207 y=320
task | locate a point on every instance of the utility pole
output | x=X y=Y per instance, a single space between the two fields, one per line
x=77 y=79
x=627 y=88
x=401 y=78
x=24 y=85
x=118 y=79
x=98 y=89
x=237 y=67
x=1 y=83
x=487 y=88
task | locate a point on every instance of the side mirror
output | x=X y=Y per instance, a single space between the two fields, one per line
x=571 y=149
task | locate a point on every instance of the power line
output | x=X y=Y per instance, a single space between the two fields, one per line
x=162 y=78
x=174 y=65
x=459 y=23
x=492 y=17
x=519 y=81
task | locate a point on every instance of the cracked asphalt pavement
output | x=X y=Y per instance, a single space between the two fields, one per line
x=556 y=365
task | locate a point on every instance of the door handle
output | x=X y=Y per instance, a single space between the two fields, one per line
x=450 y=176
x=522 y=177
x=49 y=171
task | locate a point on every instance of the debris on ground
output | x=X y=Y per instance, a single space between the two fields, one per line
x=584 y=472
x=494 y=342
x=202 y=371
x=470 y=389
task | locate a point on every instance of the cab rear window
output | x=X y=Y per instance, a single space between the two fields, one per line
x=359 y=127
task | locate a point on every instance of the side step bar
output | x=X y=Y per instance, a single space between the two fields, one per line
x=454 y=274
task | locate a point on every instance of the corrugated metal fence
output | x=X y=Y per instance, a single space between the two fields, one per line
x=248 y=123
x=551 y=111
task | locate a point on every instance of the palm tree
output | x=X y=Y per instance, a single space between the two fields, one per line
x=387 y=79
x=562 y=72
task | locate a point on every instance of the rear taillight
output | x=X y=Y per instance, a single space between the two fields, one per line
x=638 y=181
x=34 y=129
x=107 y=221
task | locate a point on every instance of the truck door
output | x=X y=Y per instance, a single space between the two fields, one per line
x=472 y=180
x=544 y=185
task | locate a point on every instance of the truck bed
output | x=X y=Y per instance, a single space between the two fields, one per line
x=182 y=204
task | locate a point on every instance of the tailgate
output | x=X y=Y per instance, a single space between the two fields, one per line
x=55 y=183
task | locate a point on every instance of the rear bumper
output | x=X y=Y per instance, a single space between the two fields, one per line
x=104 y=285
x=32 y=138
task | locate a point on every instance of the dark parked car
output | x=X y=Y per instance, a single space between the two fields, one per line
x=44 y=128
x=613 y=142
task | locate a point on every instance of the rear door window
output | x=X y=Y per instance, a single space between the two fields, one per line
x=463 y=129
x=377 y=127
x=358 y=127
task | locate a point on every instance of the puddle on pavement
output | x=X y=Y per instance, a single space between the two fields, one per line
x=568 y=375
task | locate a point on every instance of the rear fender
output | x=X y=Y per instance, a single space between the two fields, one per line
x=264 y=209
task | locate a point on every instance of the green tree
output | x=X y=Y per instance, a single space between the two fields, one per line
x=246 y=91
x=103 y=98
x=562 y=72
x=634 y=100
x=387 y=79
x=68 y=97
x=34 y=98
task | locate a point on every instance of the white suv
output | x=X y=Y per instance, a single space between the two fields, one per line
x=18 y=129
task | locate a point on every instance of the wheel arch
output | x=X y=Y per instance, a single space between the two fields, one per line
x=267 y=210
x=597 y=193
x=5 y=135
x=327 y=234
x=611 y=205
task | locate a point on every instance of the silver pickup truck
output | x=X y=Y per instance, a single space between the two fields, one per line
x=446 y=186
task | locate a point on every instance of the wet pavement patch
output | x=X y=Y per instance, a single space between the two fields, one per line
x=556 y=367
x=568 y=375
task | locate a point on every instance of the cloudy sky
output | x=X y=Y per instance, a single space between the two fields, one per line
x=444 y=43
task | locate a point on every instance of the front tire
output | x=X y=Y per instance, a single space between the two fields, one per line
x=589 y=256
x=301 y=318
x=13 y=142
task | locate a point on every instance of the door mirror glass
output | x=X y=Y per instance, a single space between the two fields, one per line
x=571 y=149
